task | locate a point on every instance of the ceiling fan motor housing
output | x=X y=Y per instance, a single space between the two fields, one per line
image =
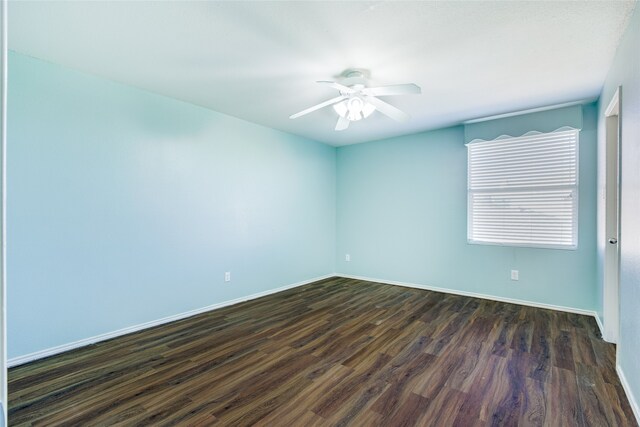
x=355 y=79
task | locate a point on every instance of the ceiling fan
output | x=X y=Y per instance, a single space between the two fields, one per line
x=357 y=101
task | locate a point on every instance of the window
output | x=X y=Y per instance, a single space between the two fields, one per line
x=524 y=191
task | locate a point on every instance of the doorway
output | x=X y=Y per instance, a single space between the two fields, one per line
x=611 y=297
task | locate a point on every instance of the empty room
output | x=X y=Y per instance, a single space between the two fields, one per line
x=314 y=213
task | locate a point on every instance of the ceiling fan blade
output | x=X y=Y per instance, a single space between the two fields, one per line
x=341 y=88
x=388 y=109
x=404 y=89
x=317 y=107
x=343 y=123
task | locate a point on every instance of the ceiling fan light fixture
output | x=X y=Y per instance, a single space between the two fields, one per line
x=354 y=109
x=354 y=105
x=368 y=109
x=341 y=108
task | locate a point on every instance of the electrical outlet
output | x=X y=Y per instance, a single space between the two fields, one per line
x=347 y=257
x=514 y=275
x=227 y=276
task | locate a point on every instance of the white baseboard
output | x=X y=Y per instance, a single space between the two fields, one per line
x=15 y=361
x=474 y=295
x=627 y=389
x=600 y=325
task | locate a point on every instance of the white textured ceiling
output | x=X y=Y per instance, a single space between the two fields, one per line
x=259 y=60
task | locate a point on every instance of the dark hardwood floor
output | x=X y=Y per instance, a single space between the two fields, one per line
x=337 y=352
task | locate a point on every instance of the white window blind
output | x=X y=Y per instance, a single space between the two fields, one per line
x=524 y=191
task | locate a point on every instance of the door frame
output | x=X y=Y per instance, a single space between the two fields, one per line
x=611 y=265
x=3 y=210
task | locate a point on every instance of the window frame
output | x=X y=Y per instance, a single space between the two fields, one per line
x=575 y=191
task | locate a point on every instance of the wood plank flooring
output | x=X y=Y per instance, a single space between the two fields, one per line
x=337 y=352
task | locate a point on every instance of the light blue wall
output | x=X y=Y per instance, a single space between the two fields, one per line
x=402 y=216
x=625 y=72
x=126 y=207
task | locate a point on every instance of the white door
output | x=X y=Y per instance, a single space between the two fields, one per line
x=611 y=295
